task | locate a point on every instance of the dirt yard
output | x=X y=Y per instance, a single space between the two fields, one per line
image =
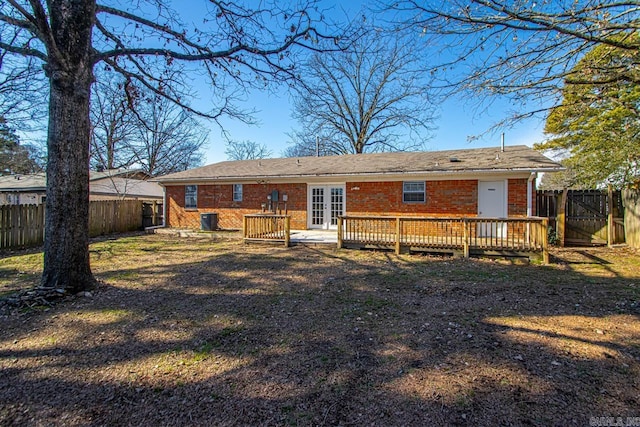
x=201 y=332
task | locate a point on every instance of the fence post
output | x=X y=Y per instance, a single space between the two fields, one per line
x=154 y=219
x=545 y=241
x=610 y=224
x=340 y=228
x=561 y=216
x=465 y=238
x=287 y=230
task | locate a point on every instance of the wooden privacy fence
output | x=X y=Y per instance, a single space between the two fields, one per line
x=22 y=226
x=464 y=236
x=631 y=200
x=583 y=217
x=114 y=216
x=267 y=227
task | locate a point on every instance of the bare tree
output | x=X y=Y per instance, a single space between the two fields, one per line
x=246 y=150
x=519 y=50
x=167 y=138
x=370 y=97
x=112 y=124
x=146 y=130
x=303 y=144
x=22 y=92
x=559 y=180
x=233 y=47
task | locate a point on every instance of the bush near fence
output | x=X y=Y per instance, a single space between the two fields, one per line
x=22 y=226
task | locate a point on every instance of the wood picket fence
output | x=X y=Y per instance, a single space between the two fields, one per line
x=22 y=226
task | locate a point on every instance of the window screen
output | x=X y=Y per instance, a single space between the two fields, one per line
x=190 y=196
x=237 y=192
x=413 y=192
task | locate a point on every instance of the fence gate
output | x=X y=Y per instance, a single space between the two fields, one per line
x=151 y=214
x=586 y=215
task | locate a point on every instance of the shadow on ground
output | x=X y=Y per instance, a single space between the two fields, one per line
x=247 y=335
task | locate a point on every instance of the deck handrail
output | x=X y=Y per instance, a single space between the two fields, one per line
x=465 y=234
x=267 y=227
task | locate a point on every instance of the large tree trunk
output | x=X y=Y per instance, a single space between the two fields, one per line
x=70 y=71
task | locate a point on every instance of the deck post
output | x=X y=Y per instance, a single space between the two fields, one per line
x=244 y=226
x=545 y=241
x=287 y=231
x=465 y=238
x=398 y=239
x=340 y=225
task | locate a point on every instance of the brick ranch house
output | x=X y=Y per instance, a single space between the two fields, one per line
x=314 y=191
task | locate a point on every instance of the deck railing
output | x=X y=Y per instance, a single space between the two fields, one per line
x=464 y=235
x=267 y=227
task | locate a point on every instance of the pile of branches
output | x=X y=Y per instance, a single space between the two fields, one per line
x=32 y=299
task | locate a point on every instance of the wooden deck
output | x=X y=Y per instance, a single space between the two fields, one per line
x=267 y=227
x=459 y=236
x=511 y=237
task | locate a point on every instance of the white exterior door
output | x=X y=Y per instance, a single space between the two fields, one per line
x=492 y=203
x=326 y=204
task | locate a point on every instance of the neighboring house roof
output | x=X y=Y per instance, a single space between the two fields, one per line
x=117 y=186
x=23 y=183
x=111 y=183
x=126 y=173
x=480 y=160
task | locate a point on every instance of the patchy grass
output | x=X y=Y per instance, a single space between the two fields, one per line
x=214 y=332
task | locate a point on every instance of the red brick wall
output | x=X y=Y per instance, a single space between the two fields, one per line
x=218 y=198
x=517 y=198
x=443 y=198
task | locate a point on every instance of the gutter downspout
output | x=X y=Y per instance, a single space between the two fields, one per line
x=530 y=194
x=164 y=206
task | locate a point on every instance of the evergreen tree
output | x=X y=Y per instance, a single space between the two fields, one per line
x=597 y=126
x=15 y=158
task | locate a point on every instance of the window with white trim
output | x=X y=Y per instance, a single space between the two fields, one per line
x=190 y=196
x=413 y=192
x=237 y=192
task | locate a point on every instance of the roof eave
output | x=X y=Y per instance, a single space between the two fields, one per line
x=22 y=189
x=362 y=174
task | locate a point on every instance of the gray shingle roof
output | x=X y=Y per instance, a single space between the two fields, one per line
x=100 y=184
x=118 y=186
x=38 y=181
x=514 y=158
x=32 y=182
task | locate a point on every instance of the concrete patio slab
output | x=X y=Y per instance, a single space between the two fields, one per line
x=314 y=236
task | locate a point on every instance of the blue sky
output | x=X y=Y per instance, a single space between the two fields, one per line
x=458 y=119
x=456 y=122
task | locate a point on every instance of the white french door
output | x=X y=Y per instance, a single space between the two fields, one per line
x=326 y=204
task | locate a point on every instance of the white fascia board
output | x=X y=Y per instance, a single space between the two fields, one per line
x=368 y=177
